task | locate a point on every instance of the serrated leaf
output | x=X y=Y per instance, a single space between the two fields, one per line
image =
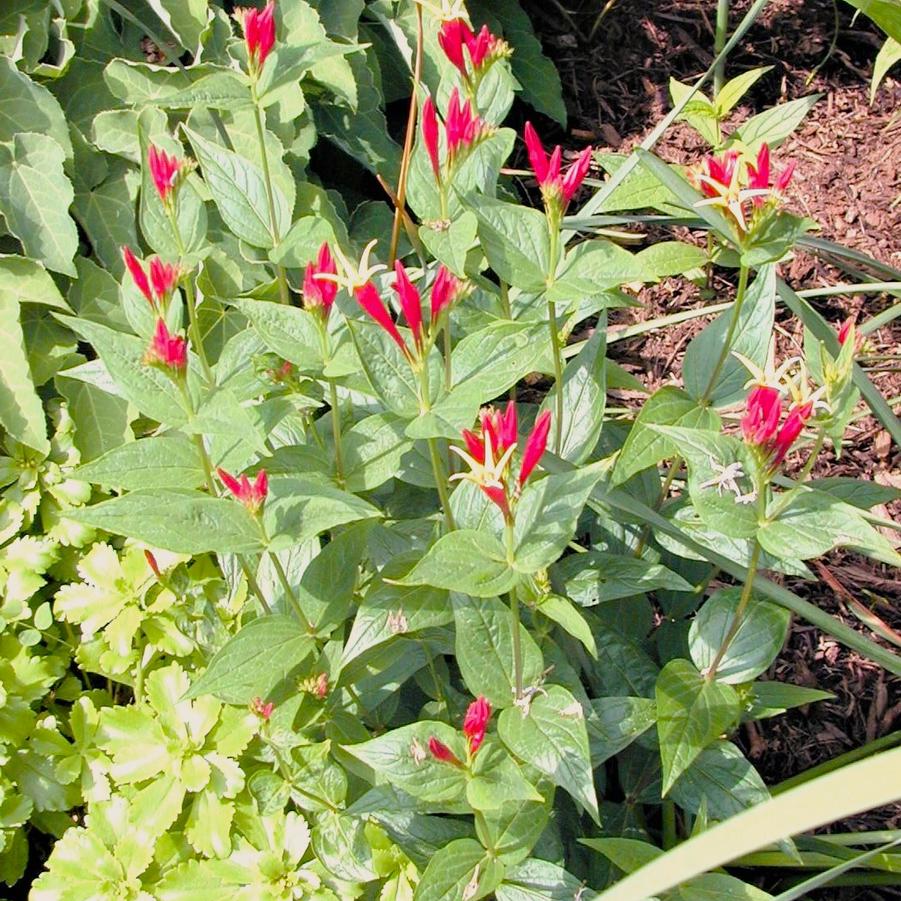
x=551 y=736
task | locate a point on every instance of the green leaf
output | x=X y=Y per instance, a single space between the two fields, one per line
x=626 y=854
x=21 y=411
x=169 y=461
x=373 y=448
x=402 y=758
x=29 y=282
x=774 y=698
x=722 y=780
x=756 y=644
x=736 y=88
x=751 y=338
x=594 y=267
x=289 y=332
x=691 y=714
x=584 y=397
x=186 y=19
x=252 y=662
x=461 y=869
x=101 y=419
x=667 y=258
x=29 y=107
x=646 y=446
x=564 y=614
x=813 y=523
x=698 y=111
x=616 y=723
x=594 y=577
x=148 y=388
x=774 y=125
x=511 y=831
x=539 y=880
x=497 y=780
x=183 y=521
x=341 y=846
x=465 y=560
x=515 y=240
x=298 y=509
x=719 y=479
x=888 y=56
x=239 y=192
x=35 y=195
x=547 y=515
x=551 y=736
x=484 y=649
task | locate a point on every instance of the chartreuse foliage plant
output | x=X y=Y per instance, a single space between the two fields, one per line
x=303 y=596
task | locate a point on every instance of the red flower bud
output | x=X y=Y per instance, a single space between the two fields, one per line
x=462 y=126
x=151 y=562
x=845 y=329
x=430 y=135
x=575 y=175
x=445 y=290
x=791 y=429
x=263 y=711
x=453 y=36
x=139 y=276
x=536 y=444
x=369 y=300
x=761 y=421
x=319 y=293
x=259 y=32
x=475 y=722
x=251 y=494
x=442 y=752
x=410 y=301
x=164 y=171
x=166 y=350
x=164 y=277
x=558 y=189
x=502 y=428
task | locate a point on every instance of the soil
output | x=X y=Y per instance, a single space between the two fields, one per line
x=848 y=179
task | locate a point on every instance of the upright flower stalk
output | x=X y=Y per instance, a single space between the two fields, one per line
x=557 y=190
x=318 y=297
x=259 y=40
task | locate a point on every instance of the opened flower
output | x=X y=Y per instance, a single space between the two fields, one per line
x=251 y=494
x=259 y=33
x=489 y=456
x=167 y=351
x=557 y=188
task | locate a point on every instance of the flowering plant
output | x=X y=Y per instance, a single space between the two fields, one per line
x=326 y=571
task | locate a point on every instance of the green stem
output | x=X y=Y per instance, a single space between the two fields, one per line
x=812 y=457
x=284 y=293
x=510 y=542
x=719 y=41
x=448 y=364
x=190 y=300
x=289 y=592
x=737 y=619
x=668 y=812
x=556 y=348
x=675 y=466
x=730 y=334
x=505 y=300
x=336 y=432
x=441 y=483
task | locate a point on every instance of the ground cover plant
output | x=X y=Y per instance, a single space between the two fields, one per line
x=327 y=570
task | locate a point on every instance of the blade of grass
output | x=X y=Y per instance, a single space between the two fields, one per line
x=857 y=787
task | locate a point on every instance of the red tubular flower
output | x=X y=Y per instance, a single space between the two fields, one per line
x=845 y=329
x=319 y=293
x=151 y=562
x=453 y=36
x=502 y=428
x=167 y=350
x=557 y=189
x=259 y=33
x=442 y=752
x=445 y=290
x=139 y=276
x=784 y=177
x=791 y=429
x=251 y=494
x=164 y=170
x=536 y=444
x=164 y=277
x=760 y=423
x=721 y=171
x=369 y=300
x=481 y=46
x=410 y=301
x=462 y=127
x=474 y=445
x=263 y=711
x=430 y=135
x=759 y=175
x=475 y=722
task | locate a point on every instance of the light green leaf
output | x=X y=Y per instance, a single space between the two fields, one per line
x=497 y=780
x=616 y=723
x=646 y=446
x=21 y=411
x=736 y=88
x=774 y=125
x=29 y=282
x=183 y=521
x=35 y=196
x=667 y=258
x=29 y=107
x=465 y=560
x=239 y=192
x=101 y=419
x=461 y=869
x=888 y=55
x=594 y=577
x=691 y=713
x=186 y=19
x=550 y=735
x=255 y=660
x=484 y=649
x=169 y=461
x=289 y=332
x=515 y=240
x=373 y=448
x=540 y=880
x=755 y=645
x=564 y=614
